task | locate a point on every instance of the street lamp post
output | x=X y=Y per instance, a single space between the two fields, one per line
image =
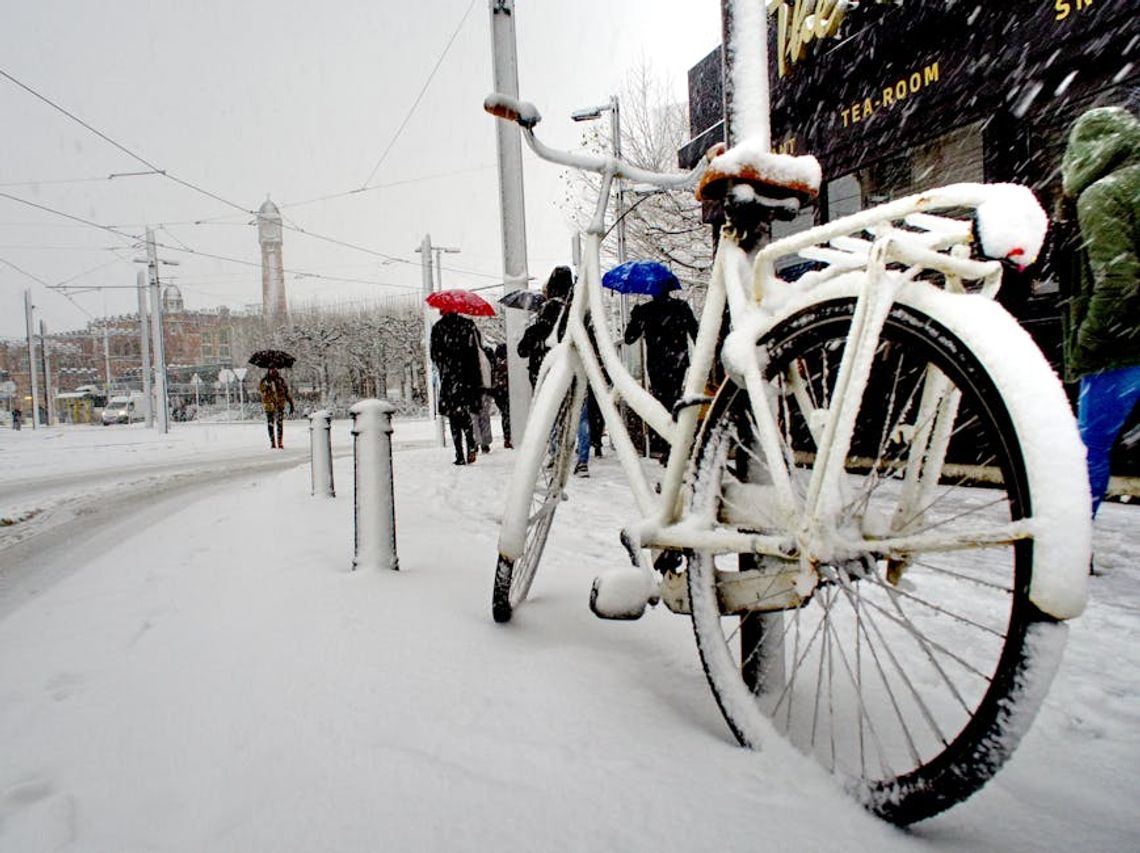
x=431 y=283
x=632 y=364
x=613 y=107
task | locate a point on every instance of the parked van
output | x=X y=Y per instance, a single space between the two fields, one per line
x=124 y=409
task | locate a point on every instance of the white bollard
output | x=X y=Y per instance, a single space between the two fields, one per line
x=375 y=504
x=320 y=453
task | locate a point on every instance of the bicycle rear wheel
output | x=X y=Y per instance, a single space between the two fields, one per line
x=912 y=678
x=514 y=575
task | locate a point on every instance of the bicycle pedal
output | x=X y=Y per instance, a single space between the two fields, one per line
x=621 y=594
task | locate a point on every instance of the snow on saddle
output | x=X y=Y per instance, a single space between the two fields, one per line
x=772 y=176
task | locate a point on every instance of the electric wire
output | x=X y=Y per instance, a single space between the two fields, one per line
x=167 y=174
x=136 y=239
x=117 y=144
x=419 y=97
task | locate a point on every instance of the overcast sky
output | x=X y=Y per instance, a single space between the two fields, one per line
x=298 y=100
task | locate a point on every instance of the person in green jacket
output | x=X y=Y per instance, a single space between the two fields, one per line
x=1100 y=174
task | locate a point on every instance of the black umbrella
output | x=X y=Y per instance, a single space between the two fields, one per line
x=271 y=358
x=528 y=300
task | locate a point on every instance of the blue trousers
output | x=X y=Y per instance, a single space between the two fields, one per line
x=1106 y=400
x=584 y=434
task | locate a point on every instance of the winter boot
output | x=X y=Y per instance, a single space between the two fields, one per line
x=581 y=470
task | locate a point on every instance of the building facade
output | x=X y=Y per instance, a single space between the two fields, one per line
x=894 y=98
x=198 y=342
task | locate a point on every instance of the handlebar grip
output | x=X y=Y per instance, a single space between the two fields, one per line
x=512 y=109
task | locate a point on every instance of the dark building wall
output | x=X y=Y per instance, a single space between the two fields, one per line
x=905 y=88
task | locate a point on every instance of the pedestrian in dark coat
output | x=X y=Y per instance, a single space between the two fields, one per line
x=454 y=349
x=1100 y=282
x=275 y=397
x=668 y=325
x=535 y=342
x=499 y=388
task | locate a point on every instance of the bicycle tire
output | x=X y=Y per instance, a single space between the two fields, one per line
x=948 y=665
x=514 y=576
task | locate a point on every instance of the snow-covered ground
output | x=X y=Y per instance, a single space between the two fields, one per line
x=187 y=664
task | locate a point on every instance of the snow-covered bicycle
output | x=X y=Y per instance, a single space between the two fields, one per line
x=878 y=519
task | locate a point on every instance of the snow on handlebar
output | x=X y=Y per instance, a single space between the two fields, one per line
x=512 y=109
x=526 y=115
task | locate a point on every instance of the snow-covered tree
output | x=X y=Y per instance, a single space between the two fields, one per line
x=663 y=226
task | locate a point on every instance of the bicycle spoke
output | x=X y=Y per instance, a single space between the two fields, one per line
x=904 y=623
x=962 y=576
x=889 y=650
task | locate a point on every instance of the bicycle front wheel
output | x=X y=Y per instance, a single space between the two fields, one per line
x=912 y=677
x=544 y=481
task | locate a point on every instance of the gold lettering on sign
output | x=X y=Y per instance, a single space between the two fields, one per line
x=891 y=94
x=1064 y=8
x=799 y=23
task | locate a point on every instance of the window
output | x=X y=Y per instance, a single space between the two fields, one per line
x=223 y=338
x=950 y=159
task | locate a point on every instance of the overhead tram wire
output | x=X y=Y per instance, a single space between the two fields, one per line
x=52 y=288
x=188 y=184
x=136 y=239
x=419 y=97
x=117 y=144
x=374 y=187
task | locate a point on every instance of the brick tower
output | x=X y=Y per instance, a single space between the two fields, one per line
x=274 y=310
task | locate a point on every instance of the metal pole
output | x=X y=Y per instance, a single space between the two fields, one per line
x=320 y=453
x=156 y=334
x=746 y=116
x=425 y=251
x=615 y=133
x=49 y=403
x=106 y=358
x=374 y=501
x=439 y=251
x=144 y=350
x=512 y=209
x=32 y=370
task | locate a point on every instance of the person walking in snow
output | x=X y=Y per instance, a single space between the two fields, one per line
x=455 y=351
x=275 y=397
x=668 y=325
x=481 y=418
x=500 y=391
x=1100 y=279
x=535 y=341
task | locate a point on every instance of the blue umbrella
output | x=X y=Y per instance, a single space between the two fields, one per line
x=648 y=278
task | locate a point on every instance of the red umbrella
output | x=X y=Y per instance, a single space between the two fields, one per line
x=461 y=301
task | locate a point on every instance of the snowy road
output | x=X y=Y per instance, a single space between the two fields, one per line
x=206 y=674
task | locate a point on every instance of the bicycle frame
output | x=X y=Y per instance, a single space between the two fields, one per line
x=757 y=300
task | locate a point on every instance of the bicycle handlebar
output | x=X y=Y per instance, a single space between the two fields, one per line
x=526 y=116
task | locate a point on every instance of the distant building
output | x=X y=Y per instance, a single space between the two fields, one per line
x=274 y=310
x=197 y=342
